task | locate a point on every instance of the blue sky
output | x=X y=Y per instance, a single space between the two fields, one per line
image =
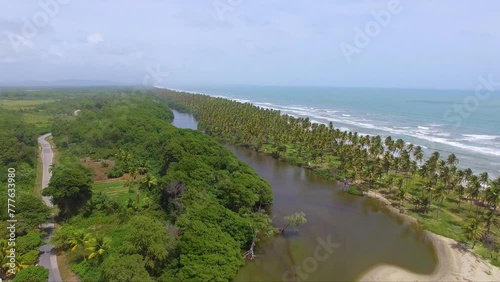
x=425 y=44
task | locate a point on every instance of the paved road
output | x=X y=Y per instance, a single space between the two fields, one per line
x=48 y=258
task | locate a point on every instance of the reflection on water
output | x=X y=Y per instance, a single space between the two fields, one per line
x=186 y=121
x=344 y=237
x=366 y=231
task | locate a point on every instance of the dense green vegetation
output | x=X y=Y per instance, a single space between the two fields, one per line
x=19 y=151
x=185 y=208
x=32 y=274
x=36 y=106
x=193 y=208
x=447 y=200
x=70 y=188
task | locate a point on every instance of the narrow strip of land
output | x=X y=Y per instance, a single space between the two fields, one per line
x=48 y=257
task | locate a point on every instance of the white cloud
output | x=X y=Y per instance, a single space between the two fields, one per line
x=94 y=38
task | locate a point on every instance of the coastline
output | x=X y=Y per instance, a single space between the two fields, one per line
x=425 y=143
x=456 y=262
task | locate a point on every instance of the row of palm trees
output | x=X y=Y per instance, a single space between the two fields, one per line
x=370 y=161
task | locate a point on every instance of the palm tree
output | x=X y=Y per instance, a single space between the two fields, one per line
x=468 y=174
x=473 y=189
x=452 y=160
x=4 y=250
x=98 y=247
x=490 y=219
x=484 y=179
x=79 y=239
x=460 y=193
x=399 y=146
x=20 y=264
x=148 y=181
x=401 y=193
x=460 y=177
x=492 y=194
x=418 y=154
x=423 y=202
x=440 y=195
x=473 y=231
x=410 y=148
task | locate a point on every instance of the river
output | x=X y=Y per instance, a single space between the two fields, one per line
x=344 y=237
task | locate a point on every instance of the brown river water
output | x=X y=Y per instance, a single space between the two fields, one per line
x=344 y=237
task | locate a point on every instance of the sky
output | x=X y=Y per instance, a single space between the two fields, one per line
x=353 y=43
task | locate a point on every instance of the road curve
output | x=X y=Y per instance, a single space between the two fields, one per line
x=48 y=258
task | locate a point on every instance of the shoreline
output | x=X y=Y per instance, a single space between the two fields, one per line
x=455 y=261
x=493 y=172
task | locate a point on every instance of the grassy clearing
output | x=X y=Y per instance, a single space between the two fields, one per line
x=40 y=119
x=16 y=105
x=119 y=191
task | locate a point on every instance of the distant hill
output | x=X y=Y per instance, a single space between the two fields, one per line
x=63 y=83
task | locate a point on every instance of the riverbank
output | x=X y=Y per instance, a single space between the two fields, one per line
x=330 y=214
x=456 y=261
x=437 y=210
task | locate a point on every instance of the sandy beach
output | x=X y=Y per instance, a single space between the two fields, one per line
x=456 y=262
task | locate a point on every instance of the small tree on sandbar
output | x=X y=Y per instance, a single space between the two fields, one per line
x=294 y=220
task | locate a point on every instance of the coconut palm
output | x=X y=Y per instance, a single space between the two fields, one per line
x=20 y=264
x=490 y=218
x=473 y=230
x=460 y=191
x=452 y=160
x=98 y=247
x=473 y=189
x=401 y=193
x=440 y=195
x=148 y=182
x=362 y=157
x=492 y=194
x=4 y=251
x=484 y=179
x=79 y=240
x=418 y=154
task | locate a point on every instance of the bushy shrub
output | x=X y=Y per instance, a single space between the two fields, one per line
x=115 y=172
x=32 y=274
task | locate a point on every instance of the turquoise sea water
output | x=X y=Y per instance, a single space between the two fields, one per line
x=449 y=121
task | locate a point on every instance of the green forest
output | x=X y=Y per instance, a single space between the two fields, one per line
x=187 y=208
x=445 y=199
x=203 y=205
x=18 y=142
x=138 y=199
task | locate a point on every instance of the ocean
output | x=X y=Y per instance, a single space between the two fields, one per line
x=447 y=121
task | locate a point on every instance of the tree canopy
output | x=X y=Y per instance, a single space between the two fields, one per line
x=200 y=198
x=70 y=188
